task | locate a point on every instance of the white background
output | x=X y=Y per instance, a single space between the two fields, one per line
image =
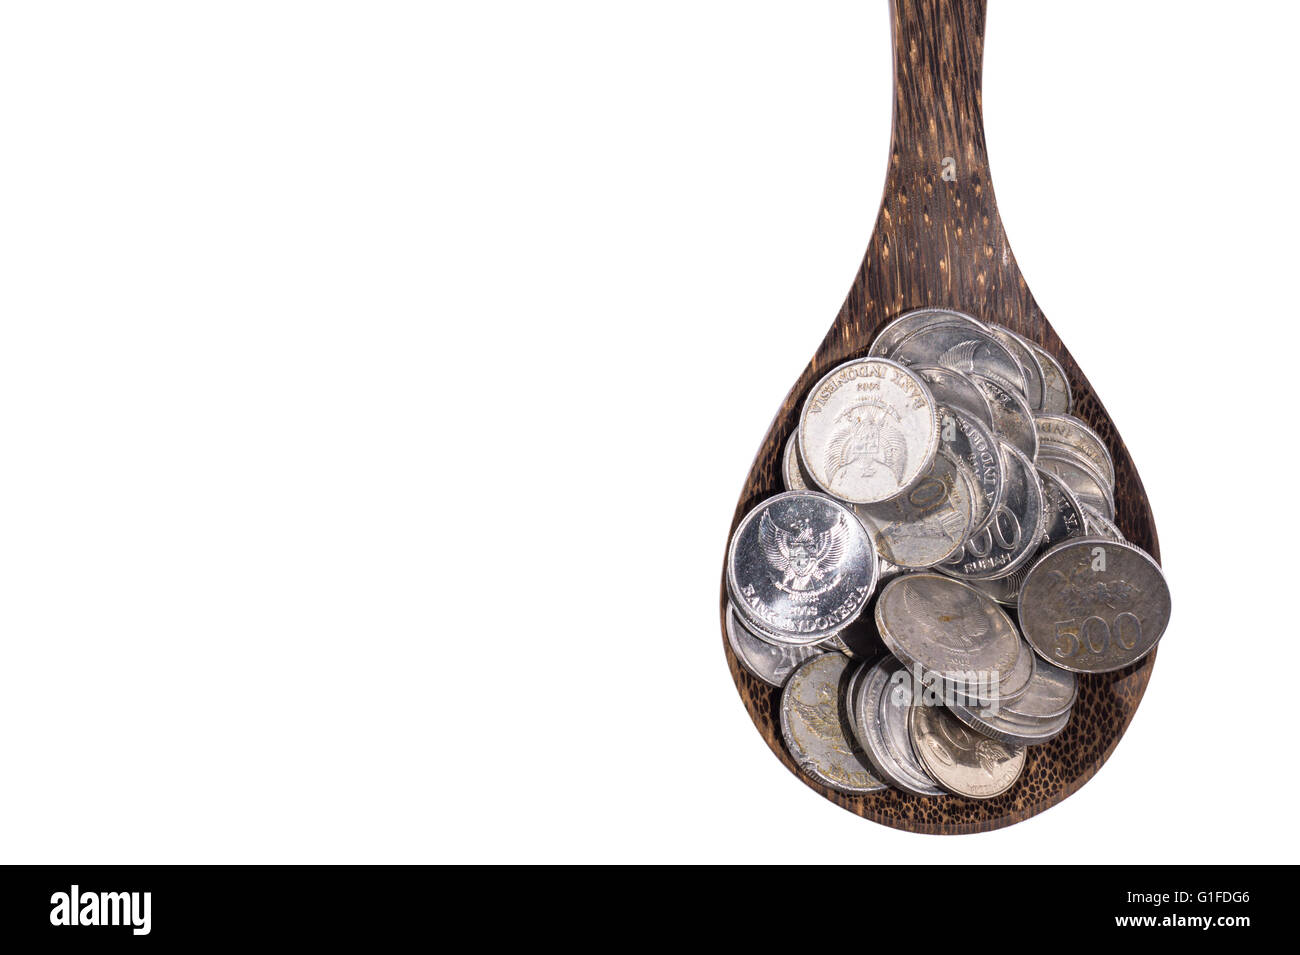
x=377 y=382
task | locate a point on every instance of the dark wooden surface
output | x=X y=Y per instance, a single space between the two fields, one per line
x=941 y=243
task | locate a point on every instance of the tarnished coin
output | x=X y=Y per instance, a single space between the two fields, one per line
x=881 y=703
x=1029 y=364
x=964 y=348
x=1003 y=725
x=889 y=337
x=868 y=430
x=800 y=567
x=1093 y=605
x=815 y=727
x=955 y=390
x=948 y=629
x=1062 y=519
x=772 y=663
x=928 y=522
x=1012 y=420
x=975 y=446
x=1056 y=387
x=791 y=467
x=1099 y=525
x=1051 y=693
x=961 y=760
x=1082 y=478
x=1011 y=540
x=1069 y=432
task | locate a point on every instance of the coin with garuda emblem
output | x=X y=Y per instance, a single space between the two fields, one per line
x=801 y=567
x=868 y=430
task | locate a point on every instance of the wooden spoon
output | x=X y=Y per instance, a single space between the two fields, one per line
x=939 y=242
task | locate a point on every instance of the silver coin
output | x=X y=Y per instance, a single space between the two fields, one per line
x=1013 y=422
x=948 y=630
x=1057 y=398
x=1005 y=590
x=850 y=708
x=927 y=523
x=881 y=703
x=889 y=337
x=1029 y=364
x=1004 y=726
x=1050 y=693
x=977 y=690
x=1082 y=478
x=764 y=634
x=1063 y=516
x=1070 y=432
x=973 y=444
x=955 y=390
x=801 y=566
x=964 y=348
x=868 y=430
x=770 y=662
x=1062 y=519
x=1093 y=605
x=791 y=467
x=961 y=760
x=1011 y=540
x=1099 y=525
x=895 y=710
x=1011 y=688
x=814 y=725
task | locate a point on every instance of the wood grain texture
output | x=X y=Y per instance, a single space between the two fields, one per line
x=941 y=243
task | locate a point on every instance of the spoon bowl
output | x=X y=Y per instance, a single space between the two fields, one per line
x=939 y=242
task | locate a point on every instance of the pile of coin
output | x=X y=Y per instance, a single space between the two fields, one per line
x=943 y=562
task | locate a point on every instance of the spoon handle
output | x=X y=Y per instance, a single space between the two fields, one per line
x=938 y=240
x=938 y=63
